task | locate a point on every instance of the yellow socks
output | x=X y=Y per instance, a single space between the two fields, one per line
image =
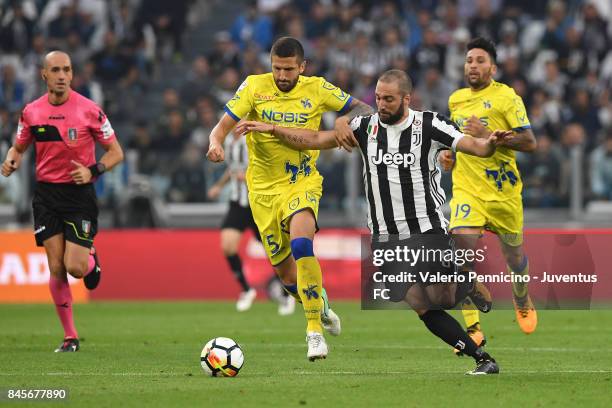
x=309 y=282
x=470 y=313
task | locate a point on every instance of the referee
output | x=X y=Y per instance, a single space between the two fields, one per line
x=64 y=127
x=399 y=147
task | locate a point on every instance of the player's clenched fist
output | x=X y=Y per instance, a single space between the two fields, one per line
x=344 y=135
x=8 y=167
x=215 y=153
x=447 y=160
x=12 y=162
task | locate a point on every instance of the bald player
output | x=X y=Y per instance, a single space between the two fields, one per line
x=64 y=127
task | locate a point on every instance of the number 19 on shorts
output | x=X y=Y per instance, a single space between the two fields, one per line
x=462 y=210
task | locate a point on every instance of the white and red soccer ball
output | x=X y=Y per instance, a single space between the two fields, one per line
x=222 y=357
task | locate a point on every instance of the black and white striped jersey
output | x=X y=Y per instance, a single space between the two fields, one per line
x=238 y=161
x=401 y=173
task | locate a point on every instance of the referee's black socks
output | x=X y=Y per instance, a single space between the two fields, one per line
x=450 y=331
x=236 y=266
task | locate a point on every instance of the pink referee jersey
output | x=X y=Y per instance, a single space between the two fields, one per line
x=62 y=133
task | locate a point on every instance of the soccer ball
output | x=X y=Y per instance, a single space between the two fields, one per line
x=222 y=357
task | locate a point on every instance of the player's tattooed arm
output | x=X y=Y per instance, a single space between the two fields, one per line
x=302 y=139
x=291 y=139
x=299 y=139
x=357 y=108
x=344 y=133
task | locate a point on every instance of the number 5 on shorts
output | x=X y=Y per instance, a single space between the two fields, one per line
x=274 y=247
x=464 y=208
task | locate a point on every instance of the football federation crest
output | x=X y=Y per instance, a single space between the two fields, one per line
x=86 y=227
x=72 y=134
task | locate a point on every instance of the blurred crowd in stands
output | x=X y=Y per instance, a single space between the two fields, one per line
x=163 y=77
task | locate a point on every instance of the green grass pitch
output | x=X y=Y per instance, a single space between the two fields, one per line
x=147 y=354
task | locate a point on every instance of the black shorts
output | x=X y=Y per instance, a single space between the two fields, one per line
x=423 y=269
x=67 y=209
x=240 y=218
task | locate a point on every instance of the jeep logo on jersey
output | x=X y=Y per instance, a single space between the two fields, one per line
x=404 y=159
x=72 y=134
x=284 y=117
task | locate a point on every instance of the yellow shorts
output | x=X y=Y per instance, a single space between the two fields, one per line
x=272 y=214
x=504 y=218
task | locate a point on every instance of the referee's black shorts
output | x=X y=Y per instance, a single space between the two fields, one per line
x=240 y=218
x=67 y=209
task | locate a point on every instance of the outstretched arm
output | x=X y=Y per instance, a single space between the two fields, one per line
x=344 y=134
x=523 y=140
x=299 y=139
x=483 y=147
x=356 y=108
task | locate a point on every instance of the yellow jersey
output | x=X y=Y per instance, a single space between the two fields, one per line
x=494 y=178
x=273 y=166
